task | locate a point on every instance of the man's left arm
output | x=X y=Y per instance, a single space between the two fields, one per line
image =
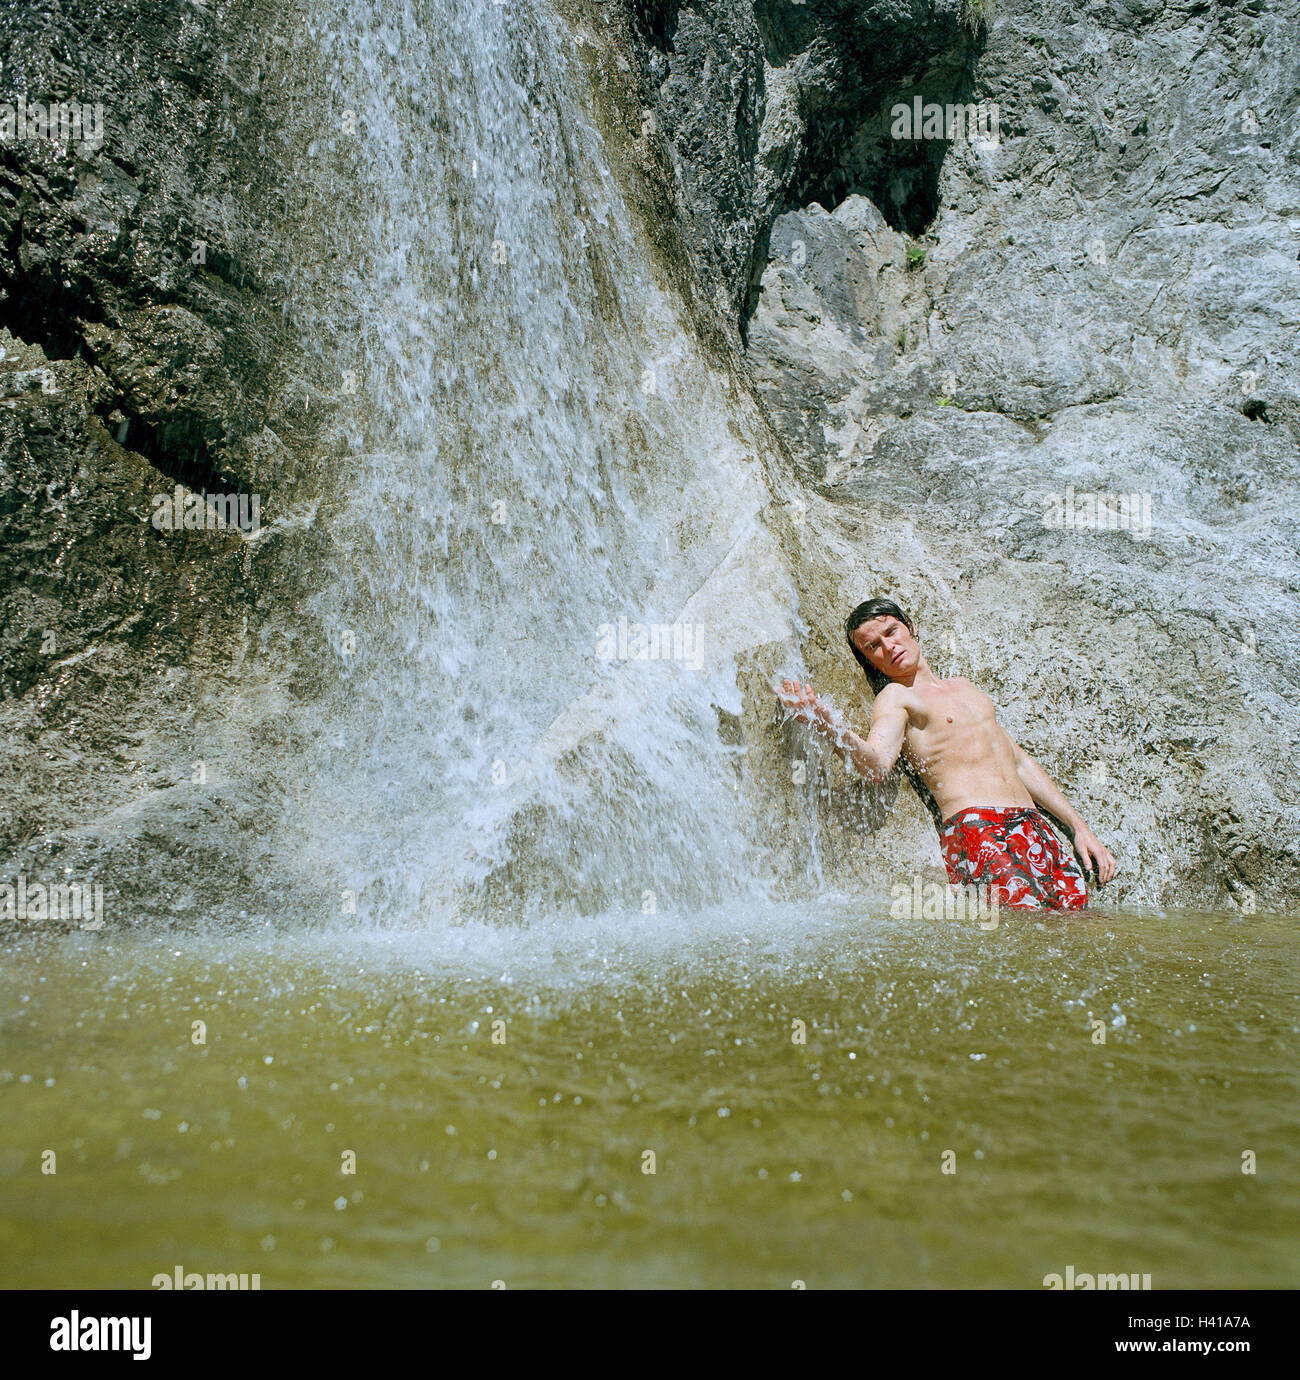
x=1045 y=791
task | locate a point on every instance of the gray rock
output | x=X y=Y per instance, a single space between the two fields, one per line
x=1106 y=304
x=147 y=341
x=755 y=102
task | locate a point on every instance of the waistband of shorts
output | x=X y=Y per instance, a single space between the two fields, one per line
x=992 y=814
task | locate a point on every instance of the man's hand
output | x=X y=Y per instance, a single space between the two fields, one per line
x=1092 y=854
x=802 y=702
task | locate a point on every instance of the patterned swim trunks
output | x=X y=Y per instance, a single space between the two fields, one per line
x=1016 y=854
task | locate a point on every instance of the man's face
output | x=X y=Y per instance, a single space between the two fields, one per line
x=888 y=645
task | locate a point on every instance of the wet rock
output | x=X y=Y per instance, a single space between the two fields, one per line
x=146 y=340
x=955 y=339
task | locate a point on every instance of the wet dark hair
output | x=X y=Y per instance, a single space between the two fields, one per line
x=864 y=613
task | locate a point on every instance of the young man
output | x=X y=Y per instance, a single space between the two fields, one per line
x=985 y=787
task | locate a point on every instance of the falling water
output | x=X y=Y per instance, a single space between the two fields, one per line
x=537 y=449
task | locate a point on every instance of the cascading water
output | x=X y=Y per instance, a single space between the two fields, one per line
x=540 y=459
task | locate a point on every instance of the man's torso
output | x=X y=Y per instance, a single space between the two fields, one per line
x=961 y=752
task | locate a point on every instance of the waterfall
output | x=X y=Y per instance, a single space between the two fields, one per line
x=540 y=462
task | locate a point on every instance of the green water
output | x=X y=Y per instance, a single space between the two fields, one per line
x=775 y=1161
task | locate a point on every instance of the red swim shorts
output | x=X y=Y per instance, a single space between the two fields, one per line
x=1015 y=853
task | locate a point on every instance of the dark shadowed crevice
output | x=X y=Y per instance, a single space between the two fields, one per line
x=176 y=448
x=53 y=313
x=44 y=311
x=785 y=29
x=184 y=447
x=852 y=146
x=900 y=176
x=656 y=22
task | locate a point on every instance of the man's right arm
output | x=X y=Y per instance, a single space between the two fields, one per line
x=874 y=756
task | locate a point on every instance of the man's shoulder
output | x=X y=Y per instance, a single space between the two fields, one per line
x=974 y=693
x=893 y=696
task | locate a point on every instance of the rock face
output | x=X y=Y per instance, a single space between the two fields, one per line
x=972 y=347
x=144 y=344
x=756 y=103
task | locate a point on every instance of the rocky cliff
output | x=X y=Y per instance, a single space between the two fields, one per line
x=147 y=348
x=1037 y=381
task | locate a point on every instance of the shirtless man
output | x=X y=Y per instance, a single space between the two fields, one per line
x=985 y=786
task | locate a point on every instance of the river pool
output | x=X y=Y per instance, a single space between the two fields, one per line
x=818 y=1094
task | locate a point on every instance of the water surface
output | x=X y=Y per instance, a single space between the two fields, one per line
x=775 y=1161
